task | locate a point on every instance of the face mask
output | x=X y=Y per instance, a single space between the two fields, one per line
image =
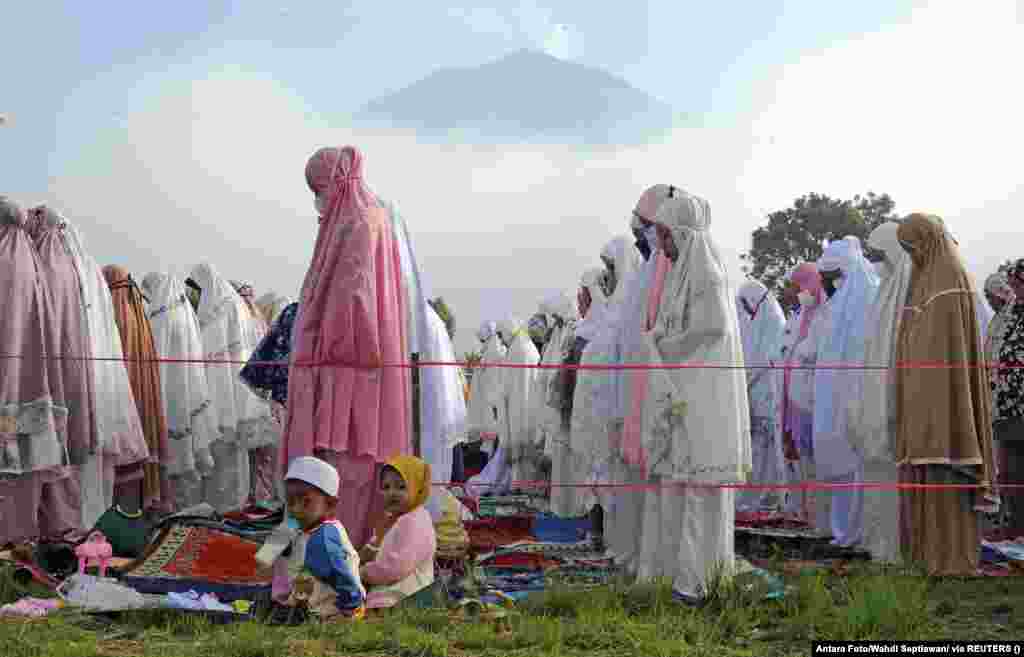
x=651 y=235
x=838 y=283
x=807 y=300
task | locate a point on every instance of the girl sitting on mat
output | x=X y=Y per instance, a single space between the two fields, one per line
x=400 y=555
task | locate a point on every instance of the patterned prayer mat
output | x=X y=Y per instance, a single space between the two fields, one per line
x=202 y=558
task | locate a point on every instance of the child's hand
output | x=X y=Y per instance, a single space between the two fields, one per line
x=264 y=571
x=367 y=553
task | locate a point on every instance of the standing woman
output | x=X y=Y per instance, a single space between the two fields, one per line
x=694 y=422
x=144 y=374
x=797 y=409
x=1003 y=301
x=1008 y=391
x=191 y=418
x=114 y=473
x=762 y=324
x=243 y=418
x=33 y=413
x=873 y=422
x=342 y=405
x=57 y=266
x=940 y=527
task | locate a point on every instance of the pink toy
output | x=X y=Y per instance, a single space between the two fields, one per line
x=94 y=551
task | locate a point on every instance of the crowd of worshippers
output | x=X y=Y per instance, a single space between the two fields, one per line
x=884 y=372
x=758 y=391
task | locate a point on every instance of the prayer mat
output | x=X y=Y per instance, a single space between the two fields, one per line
x=187 y=556
x=768 y=520
x=489 y=534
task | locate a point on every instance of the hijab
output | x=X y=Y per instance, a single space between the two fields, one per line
x=762 y=325
x=417 y=477
x=351 y=310
x=843 y=343
x=442 y=405
x=223 y=323
x=874 y=420
x=191 y=420
x=70 y=323
x=485 y=386
x=143 y=373
x=939 y=325
x=33 y=398
x=695 y=322
x=590 y=324
x=998 y=285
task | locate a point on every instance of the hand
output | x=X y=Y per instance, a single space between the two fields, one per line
x=366 y=554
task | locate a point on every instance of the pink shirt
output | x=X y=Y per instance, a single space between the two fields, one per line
x=404 y=562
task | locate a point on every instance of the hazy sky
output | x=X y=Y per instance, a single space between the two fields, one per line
x=174 y=133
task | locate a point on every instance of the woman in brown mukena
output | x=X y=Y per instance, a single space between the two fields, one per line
x=144 y=375
x=944 y=431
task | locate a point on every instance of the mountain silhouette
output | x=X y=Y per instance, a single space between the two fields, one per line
x=527 y=96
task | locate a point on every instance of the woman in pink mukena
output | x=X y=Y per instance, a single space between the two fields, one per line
x=350 y=314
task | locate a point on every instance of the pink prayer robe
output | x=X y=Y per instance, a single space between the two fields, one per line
x=350 y=313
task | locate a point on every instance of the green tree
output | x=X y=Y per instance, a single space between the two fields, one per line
x=795 y=235
x=446 y=314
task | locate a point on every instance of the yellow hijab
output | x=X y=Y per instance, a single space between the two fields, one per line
x=416 y=474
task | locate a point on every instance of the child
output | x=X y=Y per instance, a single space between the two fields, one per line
x=401 y=551
x=321 y=573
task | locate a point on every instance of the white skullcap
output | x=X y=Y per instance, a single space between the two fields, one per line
x=316 y=473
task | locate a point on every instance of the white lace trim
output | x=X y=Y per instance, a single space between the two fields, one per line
x=31 y=436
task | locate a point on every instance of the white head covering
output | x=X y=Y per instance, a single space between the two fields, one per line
x=597 y=394
x=761 y=335
x=622 y=252
x=191 y=421
x=843 y=344
x=873 y=426
x=518 y=386
x=486 y=331
x=588 y=327
x=548 y=418
x=442 y=408
x=561 y=305
x=412 y=280
x=122 y=441
x=485 y=386
x=695 y=423
x=243 y=417
x=316 y=473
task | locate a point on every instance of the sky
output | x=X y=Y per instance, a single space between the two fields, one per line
x=176 y=134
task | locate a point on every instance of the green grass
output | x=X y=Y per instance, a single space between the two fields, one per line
x=616 y=620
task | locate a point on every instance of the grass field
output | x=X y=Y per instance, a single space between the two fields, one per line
x=641 y=620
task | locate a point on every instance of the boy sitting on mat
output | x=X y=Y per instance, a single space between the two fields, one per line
x=320 y=574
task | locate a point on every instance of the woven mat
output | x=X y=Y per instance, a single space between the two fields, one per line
x=199 y=558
